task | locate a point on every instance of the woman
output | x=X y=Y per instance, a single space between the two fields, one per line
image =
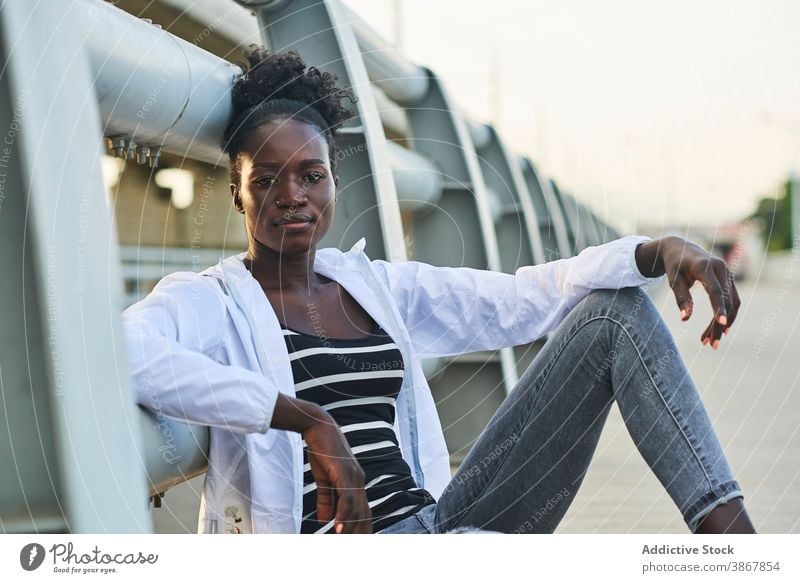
x=305 y=362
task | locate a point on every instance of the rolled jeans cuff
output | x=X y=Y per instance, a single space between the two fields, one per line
x=706 y=503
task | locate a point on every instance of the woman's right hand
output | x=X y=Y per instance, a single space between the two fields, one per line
x=336 y=471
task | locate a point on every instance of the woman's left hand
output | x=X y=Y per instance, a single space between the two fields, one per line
x=685 y=263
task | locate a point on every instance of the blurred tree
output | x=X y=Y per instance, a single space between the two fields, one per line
x=776 y=216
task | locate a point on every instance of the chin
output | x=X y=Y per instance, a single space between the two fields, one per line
x=295 y=248
x=292 y=245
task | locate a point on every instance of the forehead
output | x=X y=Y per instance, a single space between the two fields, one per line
x=283 y=140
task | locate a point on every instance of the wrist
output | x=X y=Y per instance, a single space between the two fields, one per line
x=293 y=414
x=649 y=260
x=313 y=415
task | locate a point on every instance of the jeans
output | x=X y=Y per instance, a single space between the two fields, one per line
x=528 y=463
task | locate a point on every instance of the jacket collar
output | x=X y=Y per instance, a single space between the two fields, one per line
x=233 y=271
x=342 y=267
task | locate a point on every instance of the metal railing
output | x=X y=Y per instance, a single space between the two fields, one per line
x=448 y=191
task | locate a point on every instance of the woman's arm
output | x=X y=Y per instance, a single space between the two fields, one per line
x=170 y=336
x=457 y=310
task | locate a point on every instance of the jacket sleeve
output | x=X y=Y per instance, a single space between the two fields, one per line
x=171 y=337
x=455 y=310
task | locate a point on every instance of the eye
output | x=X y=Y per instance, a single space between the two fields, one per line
x=314 y=177
x=266 y=181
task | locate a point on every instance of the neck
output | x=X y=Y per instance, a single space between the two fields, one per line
x=284 y=271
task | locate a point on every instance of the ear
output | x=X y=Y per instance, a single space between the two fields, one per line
x=336 y=180
x=237 y=199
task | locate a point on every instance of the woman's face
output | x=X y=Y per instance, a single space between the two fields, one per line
x=287 y=189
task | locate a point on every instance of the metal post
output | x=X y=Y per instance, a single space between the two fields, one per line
x=61 y=266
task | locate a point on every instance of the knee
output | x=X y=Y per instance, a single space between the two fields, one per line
x=621 y=300
x=631 y=305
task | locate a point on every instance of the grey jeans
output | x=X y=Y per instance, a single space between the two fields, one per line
x=528 y=463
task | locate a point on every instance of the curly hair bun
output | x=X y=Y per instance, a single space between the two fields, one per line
x=276 y=86
x=271 y=76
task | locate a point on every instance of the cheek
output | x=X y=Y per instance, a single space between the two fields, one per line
x=330 y=207
x=253 y=203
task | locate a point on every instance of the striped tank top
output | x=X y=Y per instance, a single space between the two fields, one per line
x=357 y=382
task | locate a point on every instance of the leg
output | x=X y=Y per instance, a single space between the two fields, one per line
x=523 y=472
x=730 y=518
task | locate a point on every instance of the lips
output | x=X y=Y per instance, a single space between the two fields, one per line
x=295 y=219
x=297 y=222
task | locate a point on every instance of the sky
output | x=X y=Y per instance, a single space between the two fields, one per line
x=663 y=113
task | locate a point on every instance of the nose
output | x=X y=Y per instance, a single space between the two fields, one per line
x=292 y=195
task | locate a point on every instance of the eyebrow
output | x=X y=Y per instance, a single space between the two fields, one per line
x=271 y=165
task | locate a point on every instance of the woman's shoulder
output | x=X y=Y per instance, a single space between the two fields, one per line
x=211 y=281
x=181 y=282
x=184 y=290
x=184 y=305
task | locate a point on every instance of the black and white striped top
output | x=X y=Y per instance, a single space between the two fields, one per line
x=357 y=382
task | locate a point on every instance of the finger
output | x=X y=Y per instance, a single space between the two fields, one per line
x=712 y=334
x=325 y=502
x=716 y=335
x=680 y=287
x=725 y=277
x=737 y=302
x=714 y=289
x=346 y=516
x=704 y=337
x=367 y=527
x=366 y=523
x=360 y=516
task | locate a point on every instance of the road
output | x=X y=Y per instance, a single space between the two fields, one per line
x=751 y=388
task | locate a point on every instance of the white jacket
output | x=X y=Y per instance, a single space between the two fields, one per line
x=207 y=349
